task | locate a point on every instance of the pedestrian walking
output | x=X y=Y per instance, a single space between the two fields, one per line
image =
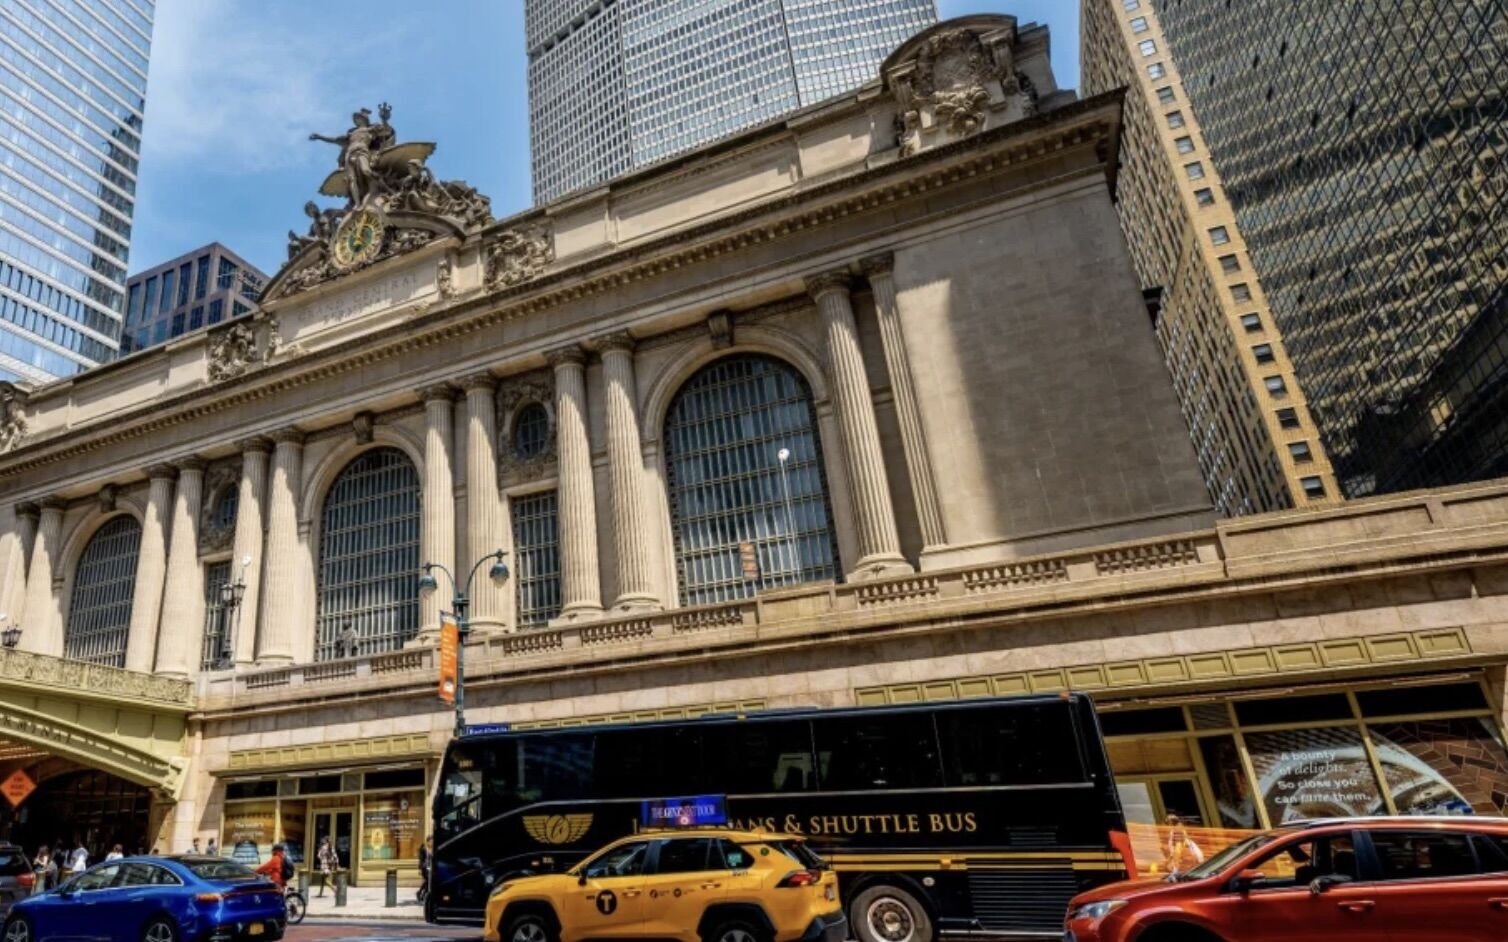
x=214 y=848
x=115 y=853
x=328 y=862
x=426 y=857
x=194 y=848
x=1181 y=853
x=45 y=868
x=78 y=862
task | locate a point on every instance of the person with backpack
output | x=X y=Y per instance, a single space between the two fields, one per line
x=278 y=868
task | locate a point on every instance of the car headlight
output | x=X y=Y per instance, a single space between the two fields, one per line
x=1097 y=910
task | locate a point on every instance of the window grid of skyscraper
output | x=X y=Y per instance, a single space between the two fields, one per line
x=198 y=289
x=660 y=77
x=73 y=76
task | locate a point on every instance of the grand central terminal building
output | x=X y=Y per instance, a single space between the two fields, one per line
x=862 y=406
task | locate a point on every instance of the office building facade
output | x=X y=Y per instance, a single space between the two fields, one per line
x=618 y=84
x=73 y=79
x=198 y=289
x=1364 y=151
x=1256 y=441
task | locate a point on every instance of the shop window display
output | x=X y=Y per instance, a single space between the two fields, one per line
x=392 y=826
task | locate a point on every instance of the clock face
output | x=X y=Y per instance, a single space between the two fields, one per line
x=358 y=240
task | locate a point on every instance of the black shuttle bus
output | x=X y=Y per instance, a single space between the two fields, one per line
x=976 y=817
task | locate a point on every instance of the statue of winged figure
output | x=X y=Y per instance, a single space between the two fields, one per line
x=359 y=148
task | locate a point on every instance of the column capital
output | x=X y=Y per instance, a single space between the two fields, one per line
x=571 y=353
x=287 y=436
x=479 y=380
x=192 y=463
x=618 y=341
x=259 y=443
x=874 y=266
x=838 y=279
x=52 y=502
x=160 y=472
x=443 y=390
x=28 y=508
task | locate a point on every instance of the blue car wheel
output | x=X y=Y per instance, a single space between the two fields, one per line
x=158 y=930
x=18 y=929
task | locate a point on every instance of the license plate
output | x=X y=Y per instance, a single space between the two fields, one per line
x=254 y=929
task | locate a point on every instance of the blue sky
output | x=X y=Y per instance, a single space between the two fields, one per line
x=237 y=85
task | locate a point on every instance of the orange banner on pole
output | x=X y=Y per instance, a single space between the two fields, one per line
x=450 y=643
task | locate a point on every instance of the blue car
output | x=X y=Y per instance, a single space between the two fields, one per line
x=154 y=899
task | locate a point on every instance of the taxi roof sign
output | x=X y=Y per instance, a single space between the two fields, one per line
x=696 y=811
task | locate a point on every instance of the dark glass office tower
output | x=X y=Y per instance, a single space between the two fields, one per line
x=1364 y=148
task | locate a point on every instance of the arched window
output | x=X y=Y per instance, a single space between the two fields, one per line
x=227 y=502
x=531 y=432
x=369 y=557
x=99 y=617
x=743 y=518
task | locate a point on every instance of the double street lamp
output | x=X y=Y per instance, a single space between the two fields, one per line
x=230 y=595
x=11 y=636
x=428 y=583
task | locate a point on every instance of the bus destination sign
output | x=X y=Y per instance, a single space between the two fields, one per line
x=698 y=811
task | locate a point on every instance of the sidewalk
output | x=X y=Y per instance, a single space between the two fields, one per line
x=365 y=902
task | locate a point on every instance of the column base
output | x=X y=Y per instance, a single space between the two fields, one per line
x=577 y=615
x=880 y=566
x=275 y=661
x=489 y=629
x=630 y=604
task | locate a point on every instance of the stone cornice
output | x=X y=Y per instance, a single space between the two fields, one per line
x=1087 y=123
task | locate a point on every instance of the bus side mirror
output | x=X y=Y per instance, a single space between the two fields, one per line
x=1246 y=880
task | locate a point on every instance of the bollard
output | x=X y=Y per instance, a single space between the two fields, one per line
x=340 y=888
x=392 y=889
x=303 y=882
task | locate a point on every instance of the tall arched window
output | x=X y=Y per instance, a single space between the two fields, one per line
x=99 y=616
x=743 y=518
x=369 y=557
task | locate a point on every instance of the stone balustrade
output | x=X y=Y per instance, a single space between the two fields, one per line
x=39 y=672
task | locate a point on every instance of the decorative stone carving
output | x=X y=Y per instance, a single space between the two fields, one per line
x=946 y=83
x=517 y=256
x=12 y=416
x=107 y=497
x=362 y=425
x=512 y=396
x=215 y=535
x=232 y=352
x=445 y=278
x=720 y=328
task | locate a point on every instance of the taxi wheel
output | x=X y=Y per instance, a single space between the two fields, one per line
x=890 y=914
x=527 y=928
x=18 y=930
x=734 y=930
x=158 y=930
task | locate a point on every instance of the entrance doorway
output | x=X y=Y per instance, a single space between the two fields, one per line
x=337 y=825
x=85 y=806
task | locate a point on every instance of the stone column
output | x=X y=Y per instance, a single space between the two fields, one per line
x=874 y=518
x=879 y=269
x=18 y=542
x=282 y=580
x=248 y=545
x=180 y=641
x=42 y=619
x=580 y=586
x=624 y=452
x=437 y=540
x=484 y=527
x=151 y=569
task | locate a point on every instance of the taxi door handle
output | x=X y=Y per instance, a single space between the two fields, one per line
x=630 y=894
x=711 y=886
x=1498 y=902
x=1357 y=905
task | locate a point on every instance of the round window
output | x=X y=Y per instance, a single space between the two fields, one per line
x=531 y=431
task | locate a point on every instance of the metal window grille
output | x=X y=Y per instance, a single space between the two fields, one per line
x=531 y=431
x=536 y=557
x=723 y=437
x=99 y=618
x=369 y=557
x=216 y=623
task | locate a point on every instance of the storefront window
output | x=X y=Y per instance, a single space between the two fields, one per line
x=250 y=829
x=392 y=826
x=1448 y=766
x=1234 y=807
x=293 y=814
x=1314 y=773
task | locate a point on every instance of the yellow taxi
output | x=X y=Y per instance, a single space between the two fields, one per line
x=691 y=885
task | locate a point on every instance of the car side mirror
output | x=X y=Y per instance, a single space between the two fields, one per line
x=1247 y=880
x=581 y=878
x=1322 y=883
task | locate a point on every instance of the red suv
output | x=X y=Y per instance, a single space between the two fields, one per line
x=1361 y=879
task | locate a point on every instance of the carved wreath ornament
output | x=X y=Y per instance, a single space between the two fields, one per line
x=516 y=256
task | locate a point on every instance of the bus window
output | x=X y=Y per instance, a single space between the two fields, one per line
x=634 y=763
x=861 y=752
x=1009 y=745
x=756 y=757
x=554 y=767
x=478 y=785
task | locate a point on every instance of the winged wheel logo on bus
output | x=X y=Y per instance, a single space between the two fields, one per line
x=557 y=828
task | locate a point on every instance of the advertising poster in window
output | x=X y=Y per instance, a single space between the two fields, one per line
x=293 y=814
x=1314 y=773
x=391 y=827
x=1450 y=766
x=250 y=830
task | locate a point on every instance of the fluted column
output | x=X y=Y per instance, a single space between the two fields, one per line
x=879 y=269
x=151 y=569
x=180 y=640
x=437 y=541
x=624 y=454
x=247 y=561
x=42 y=619
x=282 y=598
x=874 y=518
x=484 y=525
x=19 y=540
x=580 y=586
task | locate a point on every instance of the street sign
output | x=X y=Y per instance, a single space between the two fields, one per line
x=450 y=642
x=18 y=787
x=482 y=729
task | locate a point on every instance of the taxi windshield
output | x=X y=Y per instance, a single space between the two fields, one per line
x=1221 y=860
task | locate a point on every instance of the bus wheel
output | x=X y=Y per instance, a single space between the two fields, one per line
x=889 y=914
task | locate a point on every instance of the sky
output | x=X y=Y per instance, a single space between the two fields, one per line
x=236 y=86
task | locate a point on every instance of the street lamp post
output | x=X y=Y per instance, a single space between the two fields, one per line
x=462 y=602
x=791 y=546
x=231 y=594
x=11 y=636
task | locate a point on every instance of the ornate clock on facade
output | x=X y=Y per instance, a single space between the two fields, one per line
x=358 y=240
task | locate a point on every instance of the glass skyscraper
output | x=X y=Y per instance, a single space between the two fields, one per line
x=618 y=84
x=1364 y=149
x=73 y=81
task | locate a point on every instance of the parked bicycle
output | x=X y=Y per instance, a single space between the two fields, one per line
x=297 y=905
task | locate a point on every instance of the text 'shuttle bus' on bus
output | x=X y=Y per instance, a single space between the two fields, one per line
x=980 y=816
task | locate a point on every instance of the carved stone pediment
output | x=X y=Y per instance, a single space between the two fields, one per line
x=948 y=80
x=12 y=416
x=517 y=256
